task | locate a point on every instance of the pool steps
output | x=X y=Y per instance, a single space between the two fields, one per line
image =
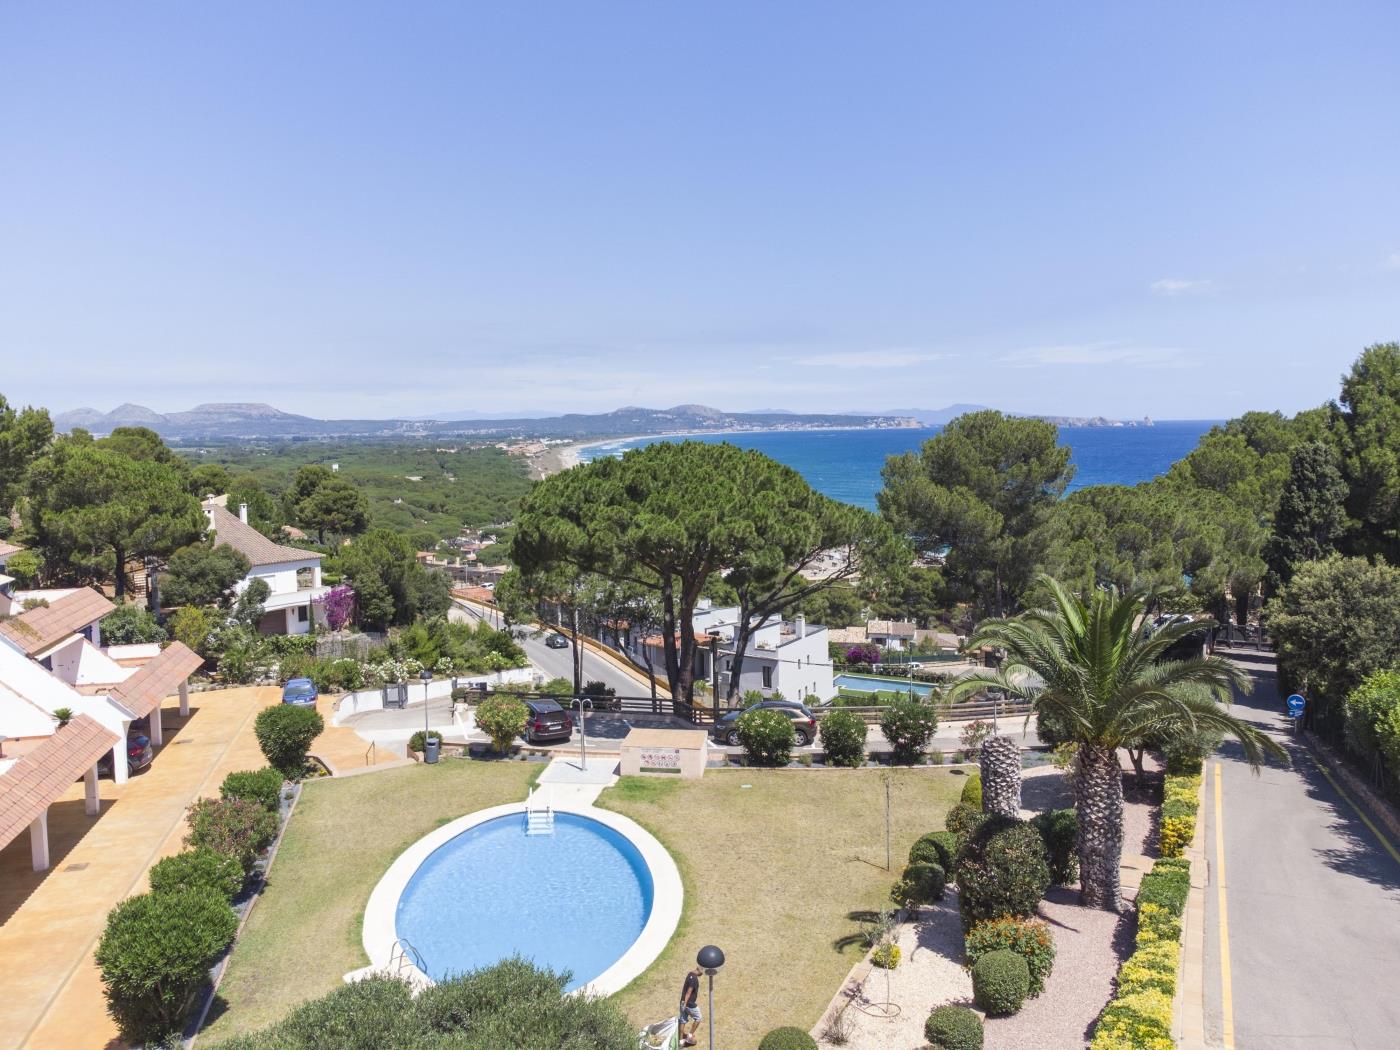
x=539 y=820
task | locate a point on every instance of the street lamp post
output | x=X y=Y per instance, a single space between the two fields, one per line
x=711 y=959
x=427 y=677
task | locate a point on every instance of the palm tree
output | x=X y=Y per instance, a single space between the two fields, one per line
x=1090 y=667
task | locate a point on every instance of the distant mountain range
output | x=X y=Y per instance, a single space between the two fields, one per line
x=258 y=422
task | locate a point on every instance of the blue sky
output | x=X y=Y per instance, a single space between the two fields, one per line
x=343 y=209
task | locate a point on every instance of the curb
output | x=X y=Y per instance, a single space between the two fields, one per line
x=1189 y=1003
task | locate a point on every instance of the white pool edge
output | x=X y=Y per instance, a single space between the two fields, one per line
x=668 y=894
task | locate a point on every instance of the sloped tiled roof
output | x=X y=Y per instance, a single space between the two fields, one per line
x=41 y=776
x=156 y=680
x=34 y=630
x=892 y=628
x=7 y=548
x=248 y=541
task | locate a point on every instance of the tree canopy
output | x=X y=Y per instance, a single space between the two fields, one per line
x=1369 y=434
x=1311 y=519
x=202 y=574
x=24 y=434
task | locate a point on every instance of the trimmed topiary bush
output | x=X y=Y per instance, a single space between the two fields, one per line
x=767 y=736
x=285 y=733
x=198 y=868
x=962 y=820
x=1028 y=938
x=155 y=955
x=787 y=1039
x=908 y=725
x=1059 y=830
x=263 y=786
x=843 y=738
x=921 y=883
x=1001 y=871
x=233 y=827
x=1001 y=981
x=937 y=847
x=954 y=1028
x=418 y=740
x=972 y=791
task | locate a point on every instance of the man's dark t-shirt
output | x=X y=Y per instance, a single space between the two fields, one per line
x=690 y=990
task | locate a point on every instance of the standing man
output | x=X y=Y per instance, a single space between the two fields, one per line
x=690 y=1013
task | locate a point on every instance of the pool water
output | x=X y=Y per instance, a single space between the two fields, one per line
x=869 y=684
x=575 y=900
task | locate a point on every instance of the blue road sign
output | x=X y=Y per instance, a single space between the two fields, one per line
x=1295 y=706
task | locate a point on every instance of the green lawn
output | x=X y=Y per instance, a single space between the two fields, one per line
x=774 y=861
x=304 y=934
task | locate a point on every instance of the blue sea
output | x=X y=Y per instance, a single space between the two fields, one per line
x=845 y=464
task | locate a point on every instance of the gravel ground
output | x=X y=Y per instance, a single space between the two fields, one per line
x=1089 y=943
x=929 y=975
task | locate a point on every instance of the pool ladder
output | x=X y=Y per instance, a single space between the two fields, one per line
x=406 y=963
x=539 y=820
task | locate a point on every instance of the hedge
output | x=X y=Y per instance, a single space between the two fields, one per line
x=937 y=847
x=198 y=868
x=921 y=883
x=972 y=791
x=1140 y=1015
x=1059 y=828
x=263 y=786
x=954 y=1028
x=787 y=1039
x=1180 y=800
x=234 y=827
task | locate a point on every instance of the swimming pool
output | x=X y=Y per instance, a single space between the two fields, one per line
x=599 y=897
x=860 y=683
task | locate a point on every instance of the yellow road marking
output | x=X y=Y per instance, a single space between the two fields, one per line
x=1322 y=768
x=1227 y=1005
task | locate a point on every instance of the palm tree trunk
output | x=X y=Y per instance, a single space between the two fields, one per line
x=1000 y=762
x=1098 y=803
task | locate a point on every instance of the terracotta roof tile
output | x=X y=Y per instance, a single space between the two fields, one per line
x=157 y=679
x=7 y=548
x=248 y=541
x=34 y=630
x=41 y=776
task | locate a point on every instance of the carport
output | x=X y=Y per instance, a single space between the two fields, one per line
x=142 y=693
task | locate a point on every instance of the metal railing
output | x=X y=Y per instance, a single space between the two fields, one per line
x=403 y=955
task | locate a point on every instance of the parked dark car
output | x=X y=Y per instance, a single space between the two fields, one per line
x=804 y=723
x=139 y=755
x=557 y=641
x=548 y=721
x=299 y=691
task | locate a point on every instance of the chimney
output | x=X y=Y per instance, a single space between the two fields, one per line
x=801 y=624
x=243 y=513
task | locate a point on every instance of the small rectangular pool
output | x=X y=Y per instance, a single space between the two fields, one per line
x=869 y=683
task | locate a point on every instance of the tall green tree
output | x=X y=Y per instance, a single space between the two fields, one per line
x=977 y=493
x=1369 y=433
x=391 y=587
x=1086 y=665
x=24 y=434
x=334 y=506
x=90 y=504
x=141 y=443
x=202 y=574
x=1311 y=518
x=668 y=516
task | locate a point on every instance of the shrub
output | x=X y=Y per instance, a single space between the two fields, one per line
x=1166 y=885
x=130 y=624
x=937 y=847
x=502 y=717
x=962 y=820
x=1181 y=798
x=285 y=733
x=843 y=738
x=787 y=1039
x=1059 y=829
x=908 y=725
x=1140 y=1021
x=233 y=827
x=1152 y=966
x=462 y=694
x=1001 y=981
x=972 y=735
x=1185 y=753
x=921 y=883
x=295 y=665
x=1001 y=871
x=192 y=625
x=767 y=736
x=199 y=868
x=263 y=786
x=972 y=791
x=886 y=956
x=954 y=1028
x=417 y=740
x=155 y=954
x=1028 y=938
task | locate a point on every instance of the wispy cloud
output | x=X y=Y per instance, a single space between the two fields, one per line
x=1170 y=286
x=1097 y=354
x=892 y=358
x=1392 y=261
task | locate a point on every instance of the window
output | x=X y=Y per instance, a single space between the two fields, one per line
x=768 y=678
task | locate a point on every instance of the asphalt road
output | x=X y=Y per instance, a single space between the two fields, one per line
x=1312 y=902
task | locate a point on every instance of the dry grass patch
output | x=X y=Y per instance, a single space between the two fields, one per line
x=774 y=863
x=304 y=933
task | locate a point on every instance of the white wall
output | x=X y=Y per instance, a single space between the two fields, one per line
x=373 y=699
x=281 y=578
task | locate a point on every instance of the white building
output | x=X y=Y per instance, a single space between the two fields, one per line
x=891 y=634
x=789 y=657
x=293 y=575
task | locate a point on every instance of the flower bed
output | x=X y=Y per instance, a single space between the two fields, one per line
x=1180 y=801
x=1140 y=1014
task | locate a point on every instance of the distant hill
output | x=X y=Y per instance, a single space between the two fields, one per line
x=929 y=417
x=213 y=423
